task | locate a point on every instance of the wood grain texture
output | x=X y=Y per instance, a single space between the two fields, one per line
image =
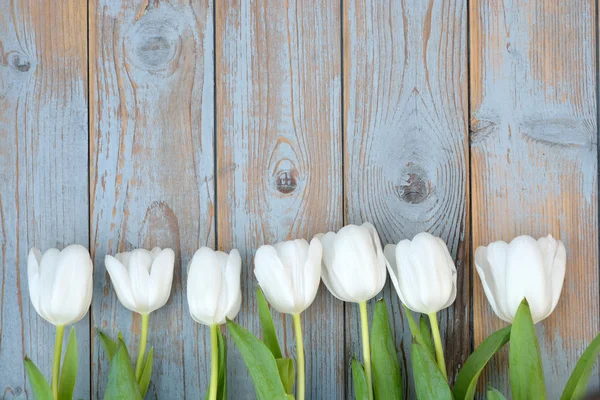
x=406 y=169
x=43 y=172
x=279 y=160
x=534 y=159
x=152 y=109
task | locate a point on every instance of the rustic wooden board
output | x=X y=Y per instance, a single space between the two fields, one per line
x=534 y=158
x=152 y=113
x=406 y=168
x=279 y=160
x=43 y=172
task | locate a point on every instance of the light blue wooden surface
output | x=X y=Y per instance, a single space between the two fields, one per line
x=237 y=123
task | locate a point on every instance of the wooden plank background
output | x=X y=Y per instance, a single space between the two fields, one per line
x=234 y=123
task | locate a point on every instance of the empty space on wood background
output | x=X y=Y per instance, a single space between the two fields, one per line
x=230 y=124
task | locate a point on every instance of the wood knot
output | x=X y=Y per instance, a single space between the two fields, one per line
x=155 y=41
x=286 y=181
x=415 y=187
x=20 y=62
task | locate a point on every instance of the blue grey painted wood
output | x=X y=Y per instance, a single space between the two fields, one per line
x=534 y=159
x=43 y=172
x=406 y=148
x=279 y=160
x=152 y=118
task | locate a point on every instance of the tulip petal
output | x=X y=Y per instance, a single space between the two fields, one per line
x=555 y=256
x=119 y=278
x=161 y=277
x=293 y=255
x=355 y=263
x=526 y=278
x=140 y=262
x=409 y=278
x=390 y=255
x=329 y=275
x=204 y=283
x=47 y=269
x=33 y=277
x=123 y=258
x=274 y=279
x=381 y=265
x=490 y=263
x=312 y=272
x=233 y=270
x=70 y=290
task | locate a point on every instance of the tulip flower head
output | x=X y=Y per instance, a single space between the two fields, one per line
x=523 y=268
x=423 y=273
x=213 y=286
x=354 y=266
x=60 y=283
x=142 y=278
x=289 y=274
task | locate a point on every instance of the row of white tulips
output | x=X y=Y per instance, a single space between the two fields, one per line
x=351 y=263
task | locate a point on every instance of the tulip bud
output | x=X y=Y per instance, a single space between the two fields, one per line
x=423 y=273
x=523 y=268
x=353 y=263
x=60 y=283
x=289 y=274
x=213 y=286
x=142 y=278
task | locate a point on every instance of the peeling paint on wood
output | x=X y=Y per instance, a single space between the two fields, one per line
x=279 y=160
x=405 y=71
x=534 y=159
x=152 y=108
x=43 y=172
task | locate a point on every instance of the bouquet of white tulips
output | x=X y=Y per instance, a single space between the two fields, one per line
x=522 y=280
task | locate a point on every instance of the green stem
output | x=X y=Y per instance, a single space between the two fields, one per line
x=139 y=366
x=437 y=340
x=366 y=345
x=299 y=357
x=60 y=332
x=214 y=369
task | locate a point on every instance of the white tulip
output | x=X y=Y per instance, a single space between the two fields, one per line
x=213 y=286
x=423 y=273
x=525 y=268
x=353 y=263
x=142 y=278
x=289 y=274
x=60 y=283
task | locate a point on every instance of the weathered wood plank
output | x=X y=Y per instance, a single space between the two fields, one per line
x=406 y=168
x=152 y=109
x=534 y=158
x=43 y=171
x=279 y=159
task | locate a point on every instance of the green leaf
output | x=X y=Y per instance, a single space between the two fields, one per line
x=68 y=370
x=426 y=334
x=414 y=328
x=266 y=323
x=260 y=362
x=359 y=380
x=387 y=379
x=524 y=359
x=493 y=394
x=466 y=382
x=39 y=385
x=286 y=373
x=429 y=380
x=121 y=378
x=578 y=382
x=146 y=373
x=110 y=346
